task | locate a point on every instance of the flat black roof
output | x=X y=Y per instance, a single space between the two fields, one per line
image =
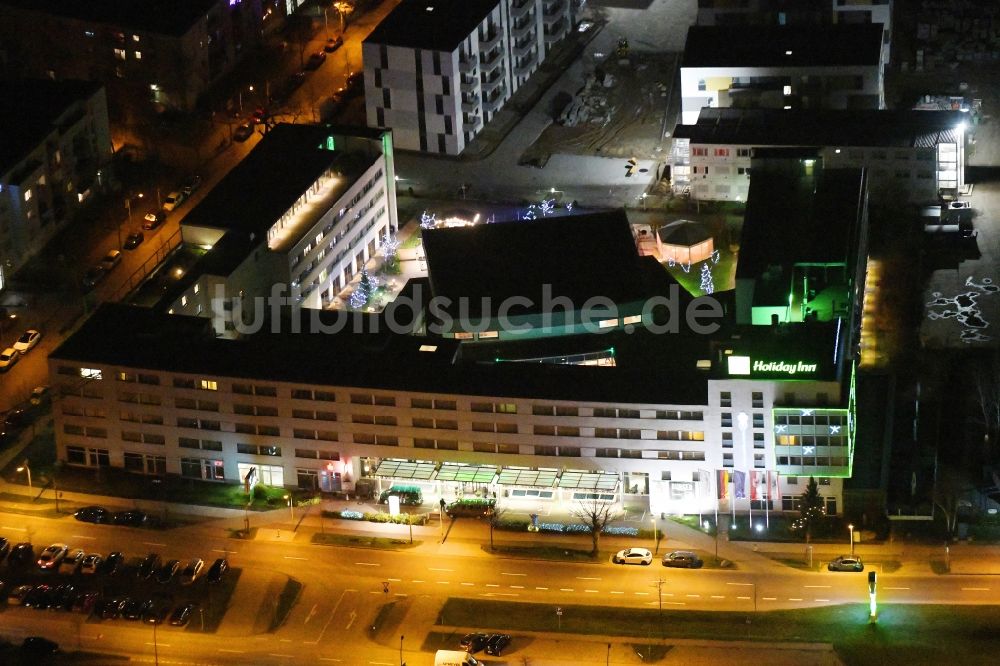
x=29 y=110
x=577 y=257
x=434 y=25
x=275 y=174
x=792 y=218
x=769 y=45
x=823 y=127
x=167 y=17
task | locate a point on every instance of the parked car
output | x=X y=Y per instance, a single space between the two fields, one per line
x=72 y=561
x=86 y=602
x=52 y=556
x=473 y=643
x=135 y=608
x=4 y=547
x=243 y=132
x=62 y=597
x=9 y=358
x=19 y=594
x=94 y=275
x=355 y=84
x=40 y=394
x=190 y=185
x=408 y=495
x=315 y=60
x=153 y=220
x=91 y=564
x=20 y=555
x=112 y=563
x=27 y=341
x=38 y=646
x=157 y=612
x=149 y=566
x=191 y=571
x=217 y=571
x=133 y=241
x=111 y=259
x=15 y=418
x=496 y=643
x=173 y=200
x=684 y=559
x=131 y=518
x=93 y=514
x=38 y=597
x=167 y=572
x=112 y=608
x=182 y=615
x=846 y=563
x=333 y=43
x=633 y=556
x=260 y=114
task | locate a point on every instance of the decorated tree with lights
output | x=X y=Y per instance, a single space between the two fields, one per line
x=707 y=283
x=811 y=510
x=428 y=220
x=363 y=292
x=390 y=253
x=547 y=206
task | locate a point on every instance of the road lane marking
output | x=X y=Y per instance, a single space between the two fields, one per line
x=150 y=543
x=504 y=573
x=233 y=651
x=566 y=589
x=380 y=663
x=616 y=592
x=400 y=594
x=312 y=611
x=668 y=594
x=443 y=582
x=641 y=593
x=747 y=598
x=746 y=584
x=285 y=640
x=396 y=580
x=492 y=585
x=433 y=569
x=159 y=644
x=292 y=557
x=219 y=550
x=469 y=584
x=16 y=529
x=976 y=589
x=794 y=599
x=586 y=578
x=367 y=564
x=766 y=598
x=693 y=596
x=541 y=588
x=827 y=600
x=517 y=587
x=816 y=586
x=594 y=591
x=285 y=656
x=416 y=581
x=895 y=588
x=81 y=536
x=718 y=596
x=329 y=659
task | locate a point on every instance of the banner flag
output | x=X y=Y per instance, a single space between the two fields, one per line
x=740 y=484
x=773 y=492
x=757 y=488
x=723 y=476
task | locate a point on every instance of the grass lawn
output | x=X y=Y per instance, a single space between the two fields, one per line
x=361 y=541
x=414 y=240
x=905 y=633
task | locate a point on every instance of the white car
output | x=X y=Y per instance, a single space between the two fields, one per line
x=52 y=556
x=72 y=561
x=9 y=357
x=91 y=563
x=173 y=200
x=633 y=556
x=27 y=341
x=39 y=394
x=191 y=572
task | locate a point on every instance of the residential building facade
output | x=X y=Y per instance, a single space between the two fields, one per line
x=436 y=73
x=161 y=52
x=50 y=165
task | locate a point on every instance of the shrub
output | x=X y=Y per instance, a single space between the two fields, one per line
x=259 y=492
x=513 y=524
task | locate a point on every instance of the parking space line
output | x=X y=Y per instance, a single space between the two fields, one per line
x=16 y=529
x=219 y=550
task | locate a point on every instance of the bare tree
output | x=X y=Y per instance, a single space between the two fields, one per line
x=949 y=487
x=986 y=381
x=494 y=517
x=596 y=515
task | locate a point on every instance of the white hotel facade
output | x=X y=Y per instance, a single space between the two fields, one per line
x=437 y=71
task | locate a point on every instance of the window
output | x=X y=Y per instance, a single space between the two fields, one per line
x=726 y=419
x=258 y=449
x=198 y=468
x=144 y=463
x=421 y=403
x=699 y=152
x=722 y=152
x=743 y=152
x=87 y=457
x=701 y=85
x=758 y=399
x=208 y=385
x=180 y=382
x=91 y=373
x=758 y=420
x=725 y=399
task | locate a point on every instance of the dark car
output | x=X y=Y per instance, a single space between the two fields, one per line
x=190 y=185
x=355 y=84
x=149 y=566
x=94 y=275
x=496 y=643
x=260 y=114
x=472 y=643
x=4 y=547
x=136 y=608
x=157 y=612
x=315 y=60
x=333 y=44
x=285 y=89
x=40 y=597
x=243 y=132
x=62 y=598
x=112 y=609
x=167 y=572
x=846 y=563
x=112 y=563
x=182 y=615
x=93 y=514
x=133 y=241
x=217 y=570
x=38 y=646
x=16 y=418
x=683 y=559
x=21 y=555
x=85 y=602
x=131 y=518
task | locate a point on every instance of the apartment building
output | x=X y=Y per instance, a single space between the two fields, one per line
x=916 y=156
x=305 y=210
x=783 y=67
x=159 y=53
x=687 y=423
x=53 y=158
x=437 y=72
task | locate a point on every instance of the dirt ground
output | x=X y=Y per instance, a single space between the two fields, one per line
x=627 y=119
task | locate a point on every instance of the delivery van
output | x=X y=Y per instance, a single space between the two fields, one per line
x=454 y=658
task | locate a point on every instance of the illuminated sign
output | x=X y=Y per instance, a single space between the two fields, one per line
x=744 y=365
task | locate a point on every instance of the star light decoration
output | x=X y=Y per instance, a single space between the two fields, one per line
x=428 y=220
x=547 y=206
x=808 y=450
x=780 y=428
x=835 y=430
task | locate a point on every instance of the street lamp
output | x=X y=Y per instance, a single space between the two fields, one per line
x=851 y=528
x=24 y=468
x=128 y=207
x=401 y=662
x=656 y=543
x=249 y=89
x=291 y=509
x=343 y=8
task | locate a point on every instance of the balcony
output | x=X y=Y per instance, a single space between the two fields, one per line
x=491 y=40
x=492 y=83
x=472 y=123
x=525 y=66
x=494 y=103
x=469 y=85
x=521 y=28
x=519 y=8
x=523 y=48
x=552 y=11
x=468 y=64
x=470 y=103
x=489 y=60
x=555 y=31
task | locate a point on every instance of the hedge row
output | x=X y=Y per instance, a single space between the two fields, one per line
x=378 y=517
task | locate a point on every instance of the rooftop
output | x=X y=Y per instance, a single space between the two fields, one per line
x=576 y=257
x=286 y=162
x=167 y=17
x=841 y=45
x=34 y=108
x=816 y=127
x=434 y=25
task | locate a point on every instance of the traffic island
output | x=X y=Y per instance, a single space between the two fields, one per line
x=362 y=541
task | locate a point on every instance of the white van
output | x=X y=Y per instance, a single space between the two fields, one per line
x=454 y=658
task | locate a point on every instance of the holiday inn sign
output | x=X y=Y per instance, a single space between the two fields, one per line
x=744 y=365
